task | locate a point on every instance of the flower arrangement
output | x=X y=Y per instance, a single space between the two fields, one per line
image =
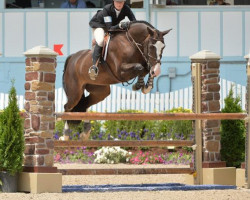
x=114 y=155
x=145 y=158
x=111 y=155
x=168 y=158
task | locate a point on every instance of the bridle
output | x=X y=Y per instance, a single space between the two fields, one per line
x=146 y=55
x=155 y=59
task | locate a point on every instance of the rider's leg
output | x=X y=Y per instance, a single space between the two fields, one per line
x=96 y=54
x=99 y=37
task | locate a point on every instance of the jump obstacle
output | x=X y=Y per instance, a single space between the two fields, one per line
x=40 y=117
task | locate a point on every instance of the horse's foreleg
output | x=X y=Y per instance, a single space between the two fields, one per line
x=135 y=68
x=149 y=85
x=132 y=67
x=139 y=84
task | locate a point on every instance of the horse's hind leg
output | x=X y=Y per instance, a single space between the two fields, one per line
x=97 y=93
x=74 y=95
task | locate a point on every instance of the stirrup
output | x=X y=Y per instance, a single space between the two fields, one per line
x=93 y=72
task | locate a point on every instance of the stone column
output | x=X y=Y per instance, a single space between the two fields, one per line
x=210 y=103
x=39 y=122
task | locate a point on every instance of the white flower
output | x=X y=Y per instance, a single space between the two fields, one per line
x=113 y=153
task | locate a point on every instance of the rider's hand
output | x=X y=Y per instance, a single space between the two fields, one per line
x=124 y=25
x=112 y=28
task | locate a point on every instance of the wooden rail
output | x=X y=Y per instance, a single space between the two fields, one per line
x=123 y=171
x=136 y=143
x=149 y=116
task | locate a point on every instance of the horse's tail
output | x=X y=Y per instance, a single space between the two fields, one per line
x=65 y=66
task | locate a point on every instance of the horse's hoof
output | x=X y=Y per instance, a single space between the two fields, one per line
x=136 y=87
x=87 y=126
x=85 y=136
x=93 y=72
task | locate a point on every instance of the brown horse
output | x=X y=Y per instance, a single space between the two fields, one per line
x=133 y=53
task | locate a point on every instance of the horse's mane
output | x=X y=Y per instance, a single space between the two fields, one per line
x=143 y=22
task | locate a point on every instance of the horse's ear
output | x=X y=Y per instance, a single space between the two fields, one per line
x=166 y=32
x=151 y=31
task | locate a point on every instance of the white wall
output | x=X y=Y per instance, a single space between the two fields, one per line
x=227 y=33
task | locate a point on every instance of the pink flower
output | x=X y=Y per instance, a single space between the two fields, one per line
x=57 y=158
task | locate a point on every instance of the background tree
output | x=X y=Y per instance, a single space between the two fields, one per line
x=11 y=136
x=232 y=133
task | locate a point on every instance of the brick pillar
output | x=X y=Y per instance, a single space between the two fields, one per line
x=40 y=106
x=210 y=103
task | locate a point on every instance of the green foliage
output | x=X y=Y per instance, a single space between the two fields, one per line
x=232 y=133
x=77 y=129
x=114 y=128
x=150 y=129
x=136 y=130
x=173 y=127
x=96 y=126
x=59 y=127
x=11 y=136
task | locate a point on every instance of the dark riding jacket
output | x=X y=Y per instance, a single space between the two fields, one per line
x=107 y=17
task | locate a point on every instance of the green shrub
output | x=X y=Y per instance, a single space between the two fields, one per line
x=232 y=133
x=11 y=136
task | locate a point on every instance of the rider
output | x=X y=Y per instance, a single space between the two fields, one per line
x=107 y=19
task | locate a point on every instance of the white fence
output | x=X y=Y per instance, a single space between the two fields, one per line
x=122 y=98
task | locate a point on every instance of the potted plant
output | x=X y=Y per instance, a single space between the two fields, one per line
x=11 y=144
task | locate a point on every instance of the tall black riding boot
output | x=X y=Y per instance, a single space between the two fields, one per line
x=93 y=70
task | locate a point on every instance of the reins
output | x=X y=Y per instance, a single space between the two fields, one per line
x=137 y=45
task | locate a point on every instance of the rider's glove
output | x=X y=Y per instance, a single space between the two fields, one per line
x=124 y=25
x=114 y=27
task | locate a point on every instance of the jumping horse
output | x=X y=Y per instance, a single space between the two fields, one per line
x=133 y=53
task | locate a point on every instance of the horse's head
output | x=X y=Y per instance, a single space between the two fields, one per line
x=154 y=49
x=150 y=43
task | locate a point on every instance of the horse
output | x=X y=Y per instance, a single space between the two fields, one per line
x=132 y=53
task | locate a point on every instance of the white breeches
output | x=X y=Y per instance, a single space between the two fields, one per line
x=99 y=36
